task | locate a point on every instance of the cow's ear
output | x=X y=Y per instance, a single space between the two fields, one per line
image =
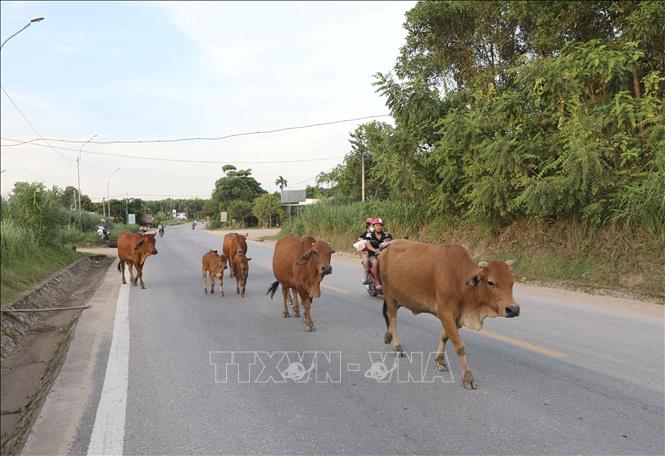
x=138 y=245
x=510 y=264
x=332 y=251
x=483 y=264
x=475 y=280
x=249 y=259
x=303 y=259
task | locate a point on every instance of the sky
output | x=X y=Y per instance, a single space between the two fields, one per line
x=131 y=70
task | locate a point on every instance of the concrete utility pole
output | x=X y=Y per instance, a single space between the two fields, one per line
x=362 y=178
x=34 y=19
x=78 y=173
x=108 y=183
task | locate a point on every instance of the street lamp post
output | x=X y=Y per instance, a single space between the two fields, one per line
x=108 y=183
x=78 y=172
x=34 y=19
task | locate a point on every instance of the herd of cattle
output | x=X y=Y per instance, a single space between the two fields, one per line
x=441 y=280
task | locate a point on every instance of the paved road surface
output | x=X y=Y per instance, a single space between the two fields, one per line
x=563 y=378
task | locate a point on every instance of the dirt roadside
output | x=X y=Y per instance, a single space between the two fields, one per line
x=39 y=342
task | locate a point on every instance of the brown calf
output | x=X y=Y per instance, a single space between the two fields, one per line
x=134 y=249
x=213 y=265
x=442 y=280
x=300 y=264
x=240 y=266
x=234 y=243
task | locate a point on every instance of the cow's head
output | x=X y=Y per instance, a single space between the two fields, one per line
x=146 y=246
x=317 y=265
x=241 y=270
x=493 y=283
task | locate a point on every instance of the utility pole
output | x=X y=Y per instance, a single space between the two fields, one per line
x=78 y=174
x=362 y=179
x=127 y=210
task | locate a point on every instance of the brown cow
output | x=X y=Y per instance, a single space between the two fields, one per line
x=442 y=280
x=213 y=265
x=300 y=264
x=233 y=243
x=134 y=249
x=240 y=267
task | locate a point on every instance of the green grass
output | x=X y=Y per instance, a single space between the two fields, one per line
x=19 y=273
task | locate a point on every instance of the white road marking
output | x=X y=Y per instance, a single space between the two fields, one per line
x=108 y=432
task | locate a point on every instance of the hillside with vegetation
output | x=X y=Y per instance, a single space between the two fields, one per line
x=527 y=129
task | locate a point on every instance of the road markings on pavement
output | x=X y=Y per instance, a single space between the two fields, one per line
x=523 y=344
x=333 y=288
x=108 y=432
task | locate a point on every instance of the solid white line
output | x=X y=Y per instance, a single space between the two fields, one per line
x=108 y=432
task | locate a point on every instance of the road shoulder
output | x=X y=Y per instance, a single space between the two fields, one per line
x=70 y=405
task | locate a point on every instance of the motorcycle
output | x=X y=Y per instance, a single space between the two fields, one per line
x=103 y=233
x=369 y=286
x=161 y=232
x=193 y=225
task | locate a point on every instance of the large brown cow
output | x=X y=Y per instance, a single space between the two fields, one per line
x=240 y=267
x=134 y=249
x=213 y=265
x=234 y=243
x=300 y=264
x=443 y=280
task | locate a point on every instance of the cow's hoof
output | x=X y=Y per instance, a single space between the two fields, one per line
x=285 y=314
x=142 y=287
x=205 y=291
x=309 y=328
x=441 y=366
x=469 y=381
x=297 y=314
x=388 y=337
x=212 y=291
x=399 y=350
x=222 y=293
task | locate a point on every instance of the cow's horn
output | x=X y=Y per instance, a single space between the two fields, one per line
x=483 y=264
x=510 y=264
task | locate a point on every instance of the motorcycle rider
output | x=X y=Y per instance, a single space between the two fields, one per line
x=377 y=238
x=369 y=229
x=104 y=228
x=160 y=228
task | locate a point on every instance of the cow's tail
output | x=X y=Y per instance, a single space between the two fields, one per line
x=385 y=314
x=273 y=288
x=119 y=263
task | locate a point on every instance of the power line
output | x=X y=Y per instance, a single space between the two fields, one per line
x=178 y=160
x=31 y=125
x=205 y=138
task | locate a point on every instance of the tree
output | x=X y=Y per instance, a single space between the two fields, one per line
x=241 y=212
x=235 y=185
x=267 y=209
x=281 y=183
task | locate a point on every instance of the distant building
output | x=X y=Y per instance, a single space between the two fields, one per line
x=293 y=199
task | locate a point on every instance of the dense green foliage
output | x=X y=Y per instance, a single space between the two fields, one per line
x=506 y=110
x=268 y=210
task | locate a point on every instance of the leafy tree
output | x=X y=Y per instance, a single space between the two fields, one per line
x=241 y=212
x=267 y=209
x=235 y=185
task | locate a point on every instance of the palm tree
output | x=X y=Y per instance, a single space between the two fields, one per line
x=281 y=183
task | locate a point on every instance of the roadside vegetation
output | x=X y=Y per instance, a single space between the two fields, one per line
x=534 y=130
x=39 y=230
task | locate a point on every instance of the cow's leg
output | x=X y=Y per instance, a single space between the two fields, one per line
x=121 y=267
x=139 y=275
x=287 y=297
x=230 y=267
x=306 y=302
x=294 y=303
x=450 y=327
x=130 y=265
x=221 y=283
x=203 y=279
x=237 y=284
x=212 y=283
x=391 y=333
x=441 y=352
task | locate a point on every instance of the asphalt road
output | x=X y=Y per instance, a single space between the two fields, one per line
x=565 y=377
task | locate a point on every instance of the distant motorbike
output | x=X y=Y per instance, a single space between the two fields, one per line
x=103 y=233
x=161 y=232
x=193 y=225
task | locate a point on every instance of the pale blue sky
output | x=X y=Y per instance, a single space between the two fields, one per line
x=163 y=70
